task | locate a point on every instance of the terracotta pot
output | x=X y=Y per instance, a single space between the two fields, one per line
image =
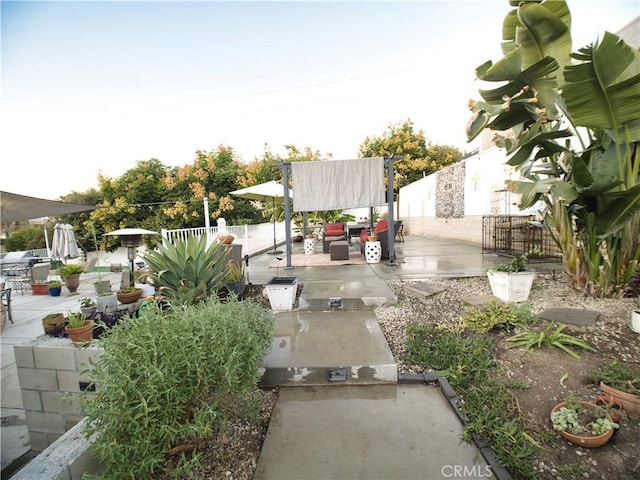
x=53 y=324
x=39 y=289
x=129 y=297
x=613 y=405
x=630 y=402
x=592 y=441
x=226 y=239
x=80 y=335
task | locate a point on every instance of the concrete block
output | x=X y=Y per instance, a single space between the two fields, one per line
x=51 y=402
x=84 y=354
x=24 y=356
x=31 y=400
x=45 y=422
x=71 y=420
x=68 y=381
x=54 y=357
x=38 y=441
x=33 y=379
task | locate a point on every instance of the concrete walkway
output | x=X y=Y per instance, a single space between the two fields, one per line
x=365 y=426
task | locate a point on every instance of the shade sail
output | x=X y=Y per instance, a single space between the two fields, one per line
x=338 y=184
x=14 y=207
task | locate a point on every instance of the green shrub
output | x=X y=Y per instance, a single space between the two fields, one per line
x=70 y=269
x=188 y=271
x=620 y=376
x=170 y=378
x=497 y=315
x=551 y=336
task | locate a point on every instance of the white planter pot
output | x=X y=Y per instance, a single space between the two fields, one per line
x=282 y=292
x=107 y=303
x=147 y=290
x=635 y=321
x=511 y=287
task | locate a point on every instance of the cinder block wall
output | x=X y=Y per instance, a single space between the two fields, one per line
x=48 y=368
x=467 y=229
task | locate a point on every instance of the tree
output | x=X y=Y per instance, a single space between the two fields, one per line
x=421 y=157
x=572 y=130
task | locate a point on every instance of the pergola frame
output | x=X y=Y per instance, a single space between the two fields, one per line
x=388 y=165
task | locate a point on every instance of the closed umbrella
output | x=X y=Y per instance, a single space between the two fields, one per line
x=64 y=241
x=264 y=192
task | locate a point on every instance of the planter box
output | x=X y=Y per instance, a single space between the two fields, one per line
x=511 y=287
x=39 y=289
x=282 y=292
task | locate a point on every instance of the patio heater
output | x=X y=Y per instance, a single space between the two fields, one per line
x=132 y=239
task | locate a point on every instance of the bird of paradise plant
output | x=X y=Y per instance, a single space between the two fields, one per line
x=570 y=124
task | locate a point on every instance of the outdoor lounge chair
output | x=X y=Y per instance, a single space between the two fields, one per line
x=331 y=233
x=381 y=231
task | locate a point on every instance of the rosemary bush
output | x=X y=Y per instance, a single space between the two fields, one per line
x=168 y=379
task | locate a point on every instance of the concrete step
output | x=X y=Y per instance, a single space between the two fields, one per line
x=322 y=348
x=365 y=293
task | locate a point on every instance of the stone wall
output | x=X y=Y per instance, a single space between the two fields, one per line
x=48 y=369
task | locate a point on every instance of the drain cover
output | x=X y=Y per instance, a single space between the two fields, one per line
x=335 y=302
x=338 y=375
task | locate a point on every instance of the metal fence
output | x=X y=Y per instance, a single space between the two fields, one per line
x=514 y=235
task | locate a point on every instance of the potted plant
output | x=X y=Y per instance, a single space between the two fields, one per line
x=635 y=318
x=225 y=239
x=622 y=383
x=53 y=323
x=101 y=286
x=87 y=305
x=512 y=281
x=107 y=302
x=55 y=287
x=129 y=294
x=613 y=406
x=70 y=273
x=583 y=423
x=39 y=288
x=79 y=328
x=235 y=278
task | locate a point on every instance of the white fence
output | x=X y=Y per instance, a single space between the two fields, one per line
x=254 y=238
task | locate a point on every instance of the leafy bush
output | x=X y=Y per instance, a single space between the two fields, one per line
x=188 y=271
x=167 y=379
x=70 y=269
x=552 y=336
x=497 y=315
x=620 y=376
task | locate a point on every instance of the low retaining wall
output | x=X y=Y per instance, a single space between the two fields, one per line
x=48 y=368
x=68 y=458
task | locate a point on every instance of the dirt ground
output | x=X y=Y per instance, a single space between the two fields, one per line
x=544 y=371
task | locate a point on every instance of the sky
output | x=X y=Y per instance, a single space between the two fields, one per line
x=93 y=87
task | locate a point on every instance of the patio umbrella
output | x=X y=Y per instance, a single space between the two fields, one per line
x=64 y=241
x=264 y=192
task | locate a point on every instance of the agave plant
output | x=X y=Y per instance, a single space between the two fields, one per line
x=572 y=130
x=187 y=271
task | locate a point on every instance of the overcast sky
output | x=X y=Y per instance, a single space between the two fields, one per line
x=92 y=87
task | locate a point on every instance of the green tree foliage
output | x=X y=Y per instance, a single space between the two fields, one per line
x=421 y=157
x=29 y=237
x=572 y=130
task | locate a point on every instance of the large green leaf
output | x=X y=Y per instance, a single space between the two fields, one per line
x=603 y=90
x=620 y=211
